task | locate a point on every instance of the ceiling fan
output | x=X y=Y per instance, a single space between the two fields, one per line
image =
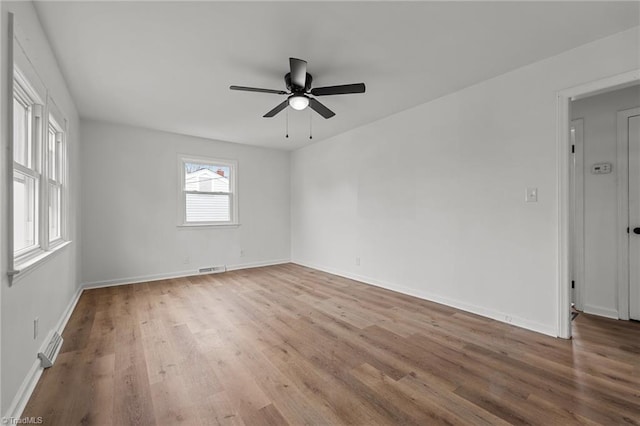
x=298 y=83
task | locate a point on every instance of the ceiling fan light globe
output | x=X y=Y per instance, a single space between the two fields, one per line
x=299 y=102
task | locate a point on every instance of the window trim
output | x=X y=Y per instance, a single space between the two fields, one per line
x=29 y=97
x=60 y=183
x=42 y=115
x=233 y=191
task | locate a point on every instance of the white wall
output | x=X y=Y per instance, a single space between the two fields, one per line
x=46 y=291
x=432 y=199
x=129 y=206
x=599 y=114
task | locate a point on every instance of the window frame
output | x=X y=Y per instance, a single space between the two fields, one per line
x=233 y=190
x=43 y=112
x=31 y=102
x=59 y=180
x=25 y=93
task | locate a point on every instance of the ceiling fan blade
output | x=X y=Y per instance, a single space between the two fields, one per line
x=298 y=72
x=320 y=109
x=277 y=109
x=344 y=89
x=255 y=89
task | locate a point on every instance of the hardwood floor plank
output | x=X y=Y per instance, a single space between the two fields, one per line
x=425 y=388
x=132 y=397
x=321 y=388
x=241 y=388
x=407 y=409
x=291 y=345
x=171 y=402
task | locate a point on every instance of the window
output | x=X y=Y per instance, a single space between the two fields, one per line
x=38 y=173
x=54 y=179
x=208 y=190
x=27 y=114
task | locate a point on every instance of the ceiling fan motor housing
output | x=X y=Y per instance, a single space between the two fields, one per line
x=295 y=89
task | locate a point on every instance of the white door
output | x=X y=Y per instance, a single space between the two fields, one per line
x=634 y=216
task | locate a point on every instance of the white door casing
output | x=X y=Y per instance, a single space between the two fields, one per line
x=633 y=137
x=577 y=212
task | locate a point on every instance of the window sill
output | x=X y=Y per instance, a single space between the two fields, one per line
x=209 y=225
x=22 y=269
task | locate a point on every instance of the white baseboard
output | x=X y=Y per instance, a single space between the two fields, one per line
x=64 y=319
x=421 y=294
x=24 y=392
x=138 y=279
x=257 y=264
x=603 y=312
x=31 y=380
x=175 y=274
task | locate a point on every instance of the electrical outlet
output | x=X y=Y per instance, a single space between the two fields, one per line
x=186 y=260
x=36 y=326
x=531 y=195
x=357 y=261
x=241 y=252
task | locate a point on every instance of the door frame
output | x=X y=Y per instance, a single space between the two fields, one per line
x=564 y=98
x=623 y=211
x=576 y=192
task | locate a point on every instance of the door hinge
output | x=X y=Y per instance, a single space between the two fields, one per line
x=573 y=284
x=573 y=149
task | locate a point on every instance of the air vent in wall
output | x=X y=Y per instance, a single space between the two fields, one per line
x=48 y=357
x=212 y=269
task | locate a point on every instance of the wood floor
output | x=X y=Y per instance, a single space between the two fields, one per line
x=290 y=345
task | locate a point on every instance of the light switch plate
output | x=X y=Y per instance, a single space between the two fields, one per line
x=531 y=196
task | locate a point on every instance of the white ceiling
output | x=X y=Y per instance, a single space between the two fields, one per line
x=168 y=65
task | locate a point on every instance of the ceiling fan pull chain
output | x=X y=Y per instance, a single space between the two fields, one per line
x=310 y=128
x=287 y=133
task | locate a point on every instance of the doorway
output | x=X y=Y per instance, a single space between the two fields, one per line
x=571 y=263
x=602 y=176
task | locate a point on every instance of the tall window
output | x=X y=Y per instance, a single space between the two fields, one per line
x=208 y=189
x=27 y=115
x=38 y=173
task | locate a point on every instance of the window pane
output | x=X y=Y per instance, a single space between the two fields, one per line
x=54 y=212
x=25 y=207
x=208 y=208
x=21 y=145
x=206 y=177
x=58 y=158
x=53 y=166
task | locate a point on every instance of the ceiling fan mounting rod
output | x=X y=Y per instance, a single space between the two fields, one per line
x=296 y=89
